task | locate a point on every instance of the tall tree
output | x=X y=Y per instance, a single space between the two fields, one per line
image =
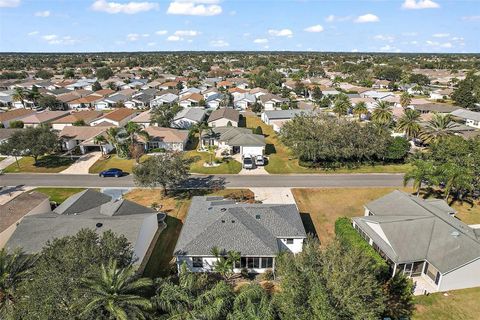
x=166 y=170
x=115 y=293
x=164 y=114
x=409 y=123
x=422 y=171
x=382 y=113
x=439 y=127
x=456 y=178
x=405 y=100
x=15 y=267
x=252 y=303
x=341 y=105
x=19 y=94
x=360 y=109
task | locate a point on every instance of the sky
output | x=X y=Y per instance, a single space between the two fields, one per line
x=236 y=25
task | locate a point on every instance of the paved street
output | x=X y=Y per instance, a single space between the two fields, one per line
x=204 y=181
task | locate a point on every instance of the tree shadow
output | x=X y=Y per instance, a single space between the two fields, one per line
x=242 y=122
x=270 y=149
x=53 y=162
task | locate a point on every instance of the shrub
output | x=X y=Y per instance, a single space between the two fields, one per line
x=154 y=150
x=398 y=149
x=258 y=130
x=16 y=124
x=244 y=273
x=350 y=238
x=267 y=275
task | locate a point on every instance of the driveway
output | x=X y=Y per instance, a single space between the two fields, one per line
x=274 y=195
x=83 y=163
x=7 y=161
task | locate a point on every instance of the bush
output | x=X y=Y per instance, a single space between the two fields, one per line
x=267 y=275
x=350 y=238
x=258 y=130
x=398 y=149
x=244 y=273
x=155 y=150
x=16 y=124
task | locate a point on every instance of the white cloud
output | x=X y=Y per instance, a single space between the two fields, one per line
x=55 y=39
x=174 y=38
x=315 y=28
x=128 y=8
x=195 y=7
x=33 y=33
x=42 y=14
x=439 y=44
x=383 y=37
x=420 y=4
x=219 y=43
x=260 y=40
x=366 y=18
x=161 y=32
x=333 y=18
x=409 y=34
x=9 y=3
x=354 y=50
x=280 y=33
x=471 y=18
x=389 y=48
x=186 y=33
x=441 y=35
x=151 y=44
x=133 y=36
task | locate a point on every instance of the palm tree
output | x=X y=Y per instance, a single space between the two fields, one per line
x=456 y=178
x=134 y=130
x=116 y=137
x=405 y=99
x=382 y=113
x=422 y=171
x=252 y=302
x=115 y=293
x=359 y=109
x=100 y=140
x=341 y=105
x=19 y=94
x=14 y=268
x=225 y=262
x=409 y=123
x=439 y=127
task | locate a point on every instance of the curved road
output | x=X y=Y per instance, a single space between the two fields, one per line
x=209 y=181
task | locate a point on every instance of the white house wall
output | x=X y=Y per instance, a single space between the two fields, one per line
x=222 y=123
x=467 y=276
x=295 y=248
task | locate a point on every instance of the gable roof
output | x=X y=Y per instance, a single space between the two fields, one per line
x=44 y=116
x=409 y=229
x=85 y=115
x=285 y=114
x=119 y=114
x=251 y=229
x=224 y=113
x=82 y=132
x=14 y=114
x=466 y=114
x=167 y=135
x=234 y=136
x=194 y=114
x=18 y=207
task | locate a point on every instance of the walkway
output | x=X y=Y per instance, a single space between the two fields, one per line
x=83 y=163
x=7 y=161
x=274 y=195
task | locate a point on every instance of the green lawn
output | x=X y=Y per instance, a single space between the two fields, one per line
x=59 y=195
x=176 y=207
x=114 y=162
x=281 y=160
x=46 y=164
x=2 y=158
x=459 y=304
x=227 y=166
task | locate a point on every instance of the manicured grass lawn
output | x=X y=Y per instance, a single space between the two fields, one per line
x=47 y=164
x=468 y=213
x=114 y=162
x=321 y=207
x=228 y=166
x=459 y=304
x=176 y=207
x=59 y=195
x=281 y=160
x=2 y=158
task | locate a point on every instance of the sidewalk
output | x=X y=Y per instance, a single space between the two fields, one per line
x=8 y=193
x=8 y=161
x=274 y=195
x=83 y=163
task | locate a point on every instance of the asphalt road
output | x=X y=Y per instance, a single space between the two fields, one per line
x=209 y=181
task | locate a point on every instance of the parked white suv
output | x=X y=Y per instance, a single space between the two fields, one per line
x=248 y=162
x=259 y=160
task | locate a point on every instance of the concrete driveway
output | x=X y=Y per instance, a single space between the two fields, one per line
x=274 y=195
x=83 y=163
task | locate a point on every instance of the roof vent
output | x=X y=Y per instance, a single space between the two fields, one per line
x=223 y=221
x=223 y=209
x=209 y=208
x=233 y=221
x=99 y=225
x=455 y=234
x=257 y=217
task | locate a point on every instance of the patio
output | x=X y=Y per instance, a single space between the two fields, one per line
x=423 y=285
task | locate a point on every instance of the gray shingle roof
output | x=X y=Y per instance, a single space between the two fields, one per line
x=227 y=113
x=195 y=114
x=414 y=229
x=285 y=114
x=234 y=136
x=466 y=114
x=251 y=229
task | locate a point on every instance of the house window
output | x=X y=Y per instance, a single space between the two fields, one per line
x=197 y=262
x=256 y=263
x=289 y=241
x=267 y=263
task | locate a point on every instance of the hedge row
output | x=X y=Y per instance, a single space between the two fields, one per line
x=348 y=236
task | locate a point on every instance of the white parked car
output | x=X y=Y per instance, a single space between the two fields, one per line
x=248 y=162
x=259 y=161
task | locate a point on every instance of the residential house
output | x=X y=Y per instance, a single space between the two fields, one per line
x=376 y=95
x=430 y=108
x=83 y=137
x=191 y=100
x=93 y=210
x=14 y=115
x=259 y=232
x=213 y=101
x=423 y=240
x=277 y=118
x=87 y=102
x=271 y=101
x=234 y=140
x=225 y=84
x=13 y=211
x=441 y=94
x=167 y=98
x=139 y=101
x=168 y=85
x=381 y=84
x=188 y=117
x=143 y=119
x=42 y=118
x=110 y=101
x=87 y=116
x=118 y=117
x=258 y=92
x=244 y=100
x=166 y=138
x=471 y=118
x=223 y=117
